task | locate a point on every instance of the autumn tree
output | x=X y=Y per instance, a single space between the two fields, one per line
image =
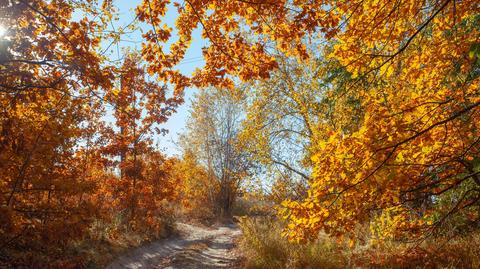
x=212 y=137
x=55 y=82
x=49 y=70
x=197 y=190
x=416 y=141
x=282 y=112
x=139 y=106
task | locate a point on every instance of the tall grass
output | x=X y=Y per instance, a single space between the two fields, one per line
x=265 y=248
x=107 y=240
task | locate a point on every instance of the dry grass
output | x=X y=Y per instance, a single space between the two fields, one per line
x=263 y=247
x=107 y=241
x=95 y=249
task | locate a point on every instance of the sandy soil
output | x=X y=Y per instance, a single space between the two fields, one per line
x=196 y=247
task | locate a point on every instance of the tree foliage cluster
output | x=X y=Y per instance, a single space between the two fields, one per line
x=389 y=122
x=76 y=143
x=212 y=142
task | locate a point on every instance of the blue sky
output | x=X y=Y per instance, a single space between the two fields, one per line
x=193 y=60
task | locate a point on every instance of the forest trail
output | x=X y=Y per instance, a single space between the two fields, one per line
x=195 y=247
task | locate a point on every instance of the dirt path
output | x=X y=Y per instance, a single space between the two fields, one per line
x=196 y=247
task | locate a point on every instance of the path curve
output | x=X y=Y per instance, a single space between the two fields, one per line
x=196 y=247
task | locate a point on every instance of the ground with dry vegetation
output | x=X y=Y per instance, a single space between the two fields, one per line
x=263 y=247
